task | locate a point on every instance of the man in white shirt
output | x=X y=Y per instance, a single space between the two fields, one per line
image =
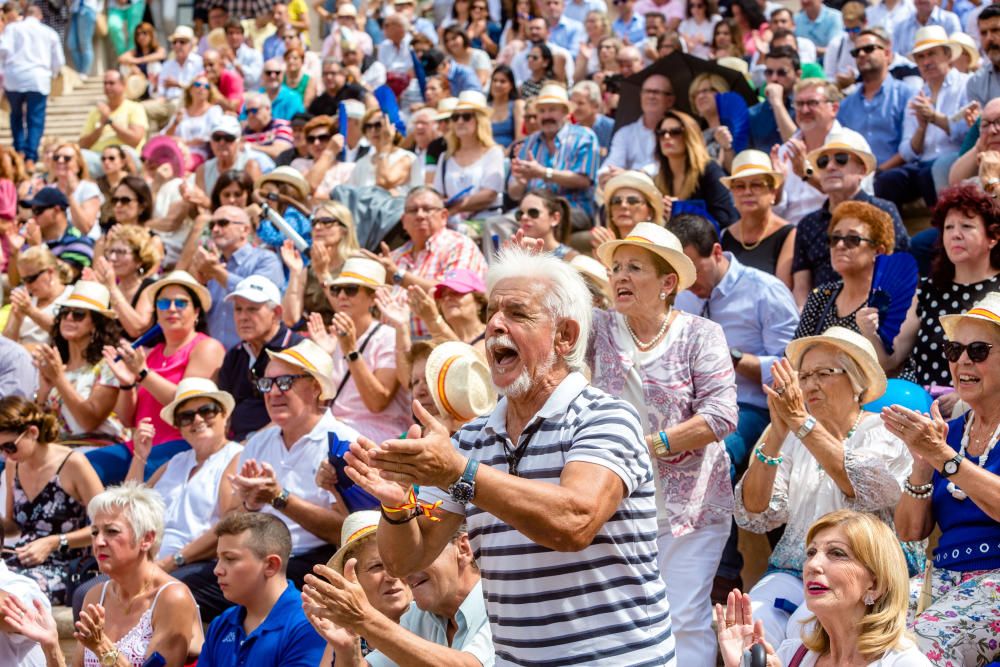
x=631 y=146
x=241 y=58
x=888 y=14
x=31 y=55
x=577 y=10
x=176 y=74
x=16 y=650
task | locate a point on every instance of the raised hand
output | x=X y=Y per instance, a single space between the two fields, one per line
x=142 y=440
x=319 y=334
x=735 y=627
x=34 y=622
x=925 y=437
x=119 y=368
x=90 y=627
x=430 y=460
x=291 y=256
x=395 y=311
x=362 y=473
x=422 y=303
x=337 y=597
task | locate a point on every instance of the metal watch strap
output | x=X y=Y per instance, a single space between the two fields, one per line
x=807 y=426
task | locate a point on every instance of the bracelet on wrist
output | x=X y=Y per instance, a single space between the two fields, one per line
x=920 y=492
x=768 y=460
x=410 y=516
x=661 y=444
x=143 y=374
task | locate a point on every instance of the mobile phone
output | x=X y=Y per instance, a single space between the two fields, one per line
x=155 y=660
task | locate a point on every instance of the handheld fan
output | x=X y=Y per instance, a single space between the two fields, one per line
x=354 y=496
x=894 y=283
x=420 y=73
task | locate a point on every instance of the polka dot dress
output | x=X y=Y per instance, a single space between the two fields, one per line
x=819 y=314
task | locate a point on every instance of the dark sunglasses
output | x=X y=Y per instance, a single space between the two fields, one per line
x=38 y=210
x=283 y=382
x=533 y=213
x=11 y=447
x=63 y=158
x=124 y=201
x=27 y=280
x=463 y=116
x=372 y=126
x=867 y=48
x=221 y=223
x=198 y=84
x=977 y=351
x=253 y=111
x=823 y=161
x=272 y=72
x=319 y=138
x=850 y=241
x=631 y=200
x=780 y=71
x=349 y=290
x=672 y=131
x=75 y=314
x=220 y=137
x=328 y=222
x=179 y=304
x=178 y=41
x=207 y=412
x=108 y=158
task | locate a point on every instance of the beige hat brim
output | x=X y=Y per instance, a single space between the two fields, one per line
x=874 y=375
x=224 y=398
x=78 y=302
x=753 y=170
x=135 y=86
x=465 y=106
x=956 y=50
x=327 y=390
x=336 y=562
x=204 y=296
x=438 y=364
x=652 y=195
x=949 y=322
x=866 y=158
x=301 y=187
x=355 y=279
x=678 y=261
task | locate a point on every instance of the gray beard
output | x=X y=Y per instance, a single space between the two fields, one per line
x=523 y=383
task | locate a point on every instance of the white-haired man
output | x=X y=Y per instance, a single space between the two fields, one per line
x=555 y=485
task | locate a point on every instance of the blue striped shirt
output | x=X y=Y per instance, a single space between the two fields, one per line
x=576 y=150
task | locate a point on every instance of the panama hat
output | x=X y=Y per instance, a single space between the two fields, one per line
x=471 y=100
x=445 y=107
x=459 y=381
x=847 y=141
x=753 y=163
x=89 y=295
x=357 y=526
x=968 y=45
x=637 y=180
x=553 y=93
x=737 y=64
x=856 y=346
x=986 y=309
x=184 y=279
x=135 y=86
x=591 y=269
x=347 y=9
x=933 y=35
x=288 y=175
x=194 y=387
x=361 y=271
x=311 y=358
x=182 y=32
x=660 y=242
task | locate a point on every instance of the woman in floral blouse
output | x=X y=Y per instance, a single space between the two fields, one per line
x=674 y=368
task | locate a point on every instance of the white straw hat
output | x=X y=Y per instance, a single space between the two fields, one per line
x=658 y=241
x=930 y=36
x=636 y=180
x=90 y=295
x=356 y=527
x=553 y=93
x=856 y=346
x=361 y=271
x=471 y=100
x=986 y=309
x=311 y=358
x=753 y=163
x=848 y=141
x=184 y=279
x=195 y=387
x=459 y=381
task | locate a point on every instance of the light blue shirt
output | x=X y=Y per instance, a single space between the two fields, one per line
x=634 y=31
x=950 y=98
x=568 y=34
x=578 y=10
x=880 y=119
x=245 y=262
x=827 y=25
x=905 y=32
x=757 y=314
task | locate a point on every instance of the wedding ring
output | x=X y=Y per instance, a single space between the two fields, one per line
x=780 y=391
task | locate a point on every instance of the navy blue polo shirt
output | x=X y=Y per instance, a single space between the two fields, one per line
x=284 y=639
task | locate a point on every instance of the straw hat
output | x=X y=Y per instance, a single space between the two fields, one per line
x=553 y=93
x=356 y=527
x=182 y=32
x=185 y=279
x=311 y=358
x=471 y=100
x=287 y=175
x=194 y=387
x=986 y=309
x=347 y=9
x=968 y=45
x=848 y=141
x=856 y=346
x=361 y=271
x=753 y=163
x=658 y=241
x=90 y=295
x=737 y=64
x=135 y=86
x=217 y=39
x=637 y=180
x=933 y=35
x=445 y=107
x=459 y=381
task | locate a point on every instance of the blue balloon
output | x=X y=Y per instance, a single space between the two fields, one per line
x=905 y=393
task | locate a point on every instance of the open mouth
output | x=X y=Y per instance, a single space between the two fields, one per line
x=814 y=588
x=966 y=379
x=624 y=292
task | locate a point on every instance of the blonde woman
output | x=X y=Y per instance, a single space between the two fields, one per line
x=70 y=174
x=471 y=176
x=131 y=257
x=588 y=60
x=333 y=241
x=192 y=123
x=33 y=304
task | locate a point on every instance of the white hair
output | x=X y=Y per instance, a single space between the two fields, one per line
x=566 y=295
x=143 y=509
x=588 y=88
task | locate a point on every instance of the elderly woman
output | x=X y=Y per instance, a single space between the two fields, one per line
x=141 y=610
x=71 y=176
x=630 y=197
x=759 y=238
x=193 y=122
x=334 y=240
x=33 y=304
x=129 y=261
x=955 y=485
x=364 y=362
x=674 y=369
x=387 y=165
x=76 y=384
x=856 y=592
x=822 y=453
x=48 y=487
x=470 y=176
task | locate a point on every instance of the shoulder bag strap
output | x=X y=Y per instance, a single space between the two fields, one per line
x=361 y=349
x=799 y=656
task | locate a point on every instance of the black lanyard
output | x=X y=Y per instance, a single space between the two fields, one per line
x=514 y=456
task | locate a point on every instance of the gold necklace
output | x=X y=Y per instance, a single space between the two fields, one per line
x=128 y=606
x=754 y=245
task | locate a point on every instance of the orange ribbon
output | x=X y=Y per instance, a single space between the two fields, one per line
x=412 y=503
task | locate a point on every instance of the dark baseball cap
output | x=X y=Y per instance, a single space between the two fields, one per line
x=300 y=119
x=47 y=197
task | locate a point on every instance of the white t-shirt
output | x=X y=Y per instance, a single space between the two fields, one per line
x=486 y=173
x=907 y=656
x=689 y=27
x=197 y=128
x=88 y=190
x=17 y=650
x=364 y=170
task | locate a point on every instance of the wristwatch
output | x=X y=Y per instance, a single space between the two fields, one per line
x=352 y=356
x=63 y=544
x=807 y=426
x=951 y=466
x=109 y=658
x=548 y=173
x=736 y=355
x=281 y=500
x=179 y=559
x=464 y=490
x=397 y=277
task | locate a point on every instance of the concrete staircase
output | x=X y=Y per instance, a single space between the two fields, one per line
x=67 y=107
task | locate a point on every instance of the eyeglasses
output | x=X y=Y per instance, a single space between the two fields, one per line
x=108 y=158
x=198 y=84
x=253 y=111
x=124 y=201
x=853 y=30
x=283 y=382
x=631 y=200
x=331 y=72
x=755 y=187
x=117 y=252
x=11 y=447
x=654 y=91
x=328 y=222
x=820 y=374
x=850 y=241
x=179 y=304
x=76 y=314
x=207 y=412
x=319 y=138
x=867 y=49
x=986 y=126
x=823 y=161
x=39 y=210
x=670 y=131
x=371 y=126
x=175 y=42
x=977 y=351
x=809 y=104
x=778 y=71
x=221 y=223
x=463 y=116
x=349 y=290
x=273 y=72
x=533 y=213
x=414 y=210
x=219 y=137
x=63 y=158
x=27 y=280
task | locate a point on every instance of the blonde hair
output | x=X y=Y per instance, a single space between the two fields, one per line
x=484 y=133
x=214 y=96
x=80 y=162
x=139 y=239
x=696 y=156
x=142 y=507
x=349 y=241
x=829 y=89
x=875 y=546
x=43 y=258
x=718 y=84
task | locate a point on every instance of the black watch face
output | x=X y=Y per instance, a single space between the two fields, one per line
x=462 y=492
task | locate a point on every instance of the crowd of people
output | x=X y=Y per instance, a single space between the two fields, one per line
x=473 y=332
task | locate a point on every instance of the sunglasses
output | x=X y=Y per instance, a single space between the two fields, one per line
x=198 y=84
x=867 y=49
x=809 y=104
x=780 y=71
x=671 y=131
x=253 y=111
x=221 y=223
x=27 y=280
x=108 y=158
x=372 y=126
x=207 y=412
x=349 y=290
x=464 y=116
x=219 y=137
x=124 y=201
x=272 y=72
x=39 y=210
x=283 y=382
x=178 y=41
x=850 y=241
x=11 y=447
x=532 y=56
x=319 y=138
x=823 y=161
x=533 y=213
x=63 y=158
x=631 y=200
x=75 y=314
x=179 y=304
x=977 y=351
x=328 y=222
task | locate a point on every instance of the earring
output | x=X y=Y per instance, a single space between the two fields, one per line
x=869 y=599
x=663 y=296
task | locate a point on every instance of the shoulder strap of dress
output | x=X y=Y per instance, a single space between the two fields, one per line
x=152 y=607
x=104 y=591
x=59 y=469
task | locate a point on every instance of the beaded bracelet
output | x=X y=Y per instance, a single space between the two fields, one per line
x=764 y=458
x=922 y=492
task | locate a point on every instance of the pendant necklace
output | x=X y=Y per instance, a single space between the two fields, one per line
x=953 y=489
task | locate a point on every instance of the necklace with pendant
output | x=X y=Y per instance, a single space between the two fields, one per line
x=953 y=489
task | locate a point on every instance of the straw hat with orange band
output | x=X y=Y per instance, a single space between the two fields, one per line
x=357 y=526
x=459 y=382
x=660 y=242
x=986 y=309
x=194 y=387
x=361 y=271
x=311 y=358
x=751 y=163
x=89 y=295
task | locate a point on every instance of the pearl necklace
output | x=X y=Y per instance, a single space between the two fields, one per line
x=659 y=334
x=956 y=492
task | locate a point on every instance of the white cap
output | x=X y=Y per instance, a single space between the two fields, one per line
x=257 y=289
x=228 y=125
x=355 y=109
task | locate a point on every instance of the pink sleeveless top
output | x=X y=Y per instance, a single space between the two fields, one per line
x=171 y=368
x=134 y=643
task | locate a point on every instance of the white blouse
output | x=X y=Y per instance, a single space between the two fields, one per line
x=907 y=655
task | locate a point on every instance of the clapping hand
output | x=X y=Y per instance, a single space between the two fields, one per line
x=395 y=311
x=422 y=303
x=90 y=627
x=49 y=364
x=347 y=334
x=925 y=437
x=291 y=256
x=737 y=630
x=256 y=484
x=319 y=334
x=35 y=622
x=361 y=471
x=784 y=396
x=142 y=440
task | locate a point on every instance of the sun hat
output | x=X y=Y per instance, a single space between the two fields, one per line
x=195 y=387
x=660 y=242
x=217 y=39
x=593 y=270
x=462 y=281
x=753 y=163
x=850 y=142
x=311 y=358
x=227 y=125
x=637 y=180
x=445 y=107
x=459 y=381
x=471 y=100
x=90 y=295
x=856 y=346
x=347 y=9
x=161 y=149
x=135 y=85
x=184 y=279
x=356 y=527
x=182 y=32
x=986 y=309
x=930 y=36
x=968 y=45
x=553 y=93
x=257 y=289
x=733 y=63
x=361 y=271
x=288 y=175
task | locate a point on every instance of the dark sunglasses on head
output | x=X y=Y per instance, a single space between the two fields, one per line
x=27 y=280
x=76 y=314
x=779 y=71
x=11 y=447
x=219 y=137
x=124 y=201
x=631 y=200
x=533 y=213
x=63 y=158
x=671 y=131
x=349 y=290
x=463 y=116
x=977 y=351
x=328 y=222
x=179 y=304
x=207 y=412
x=319 y=138
x=823 y=161
x=867 y=49
x=850 y=241
x=283 y=382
